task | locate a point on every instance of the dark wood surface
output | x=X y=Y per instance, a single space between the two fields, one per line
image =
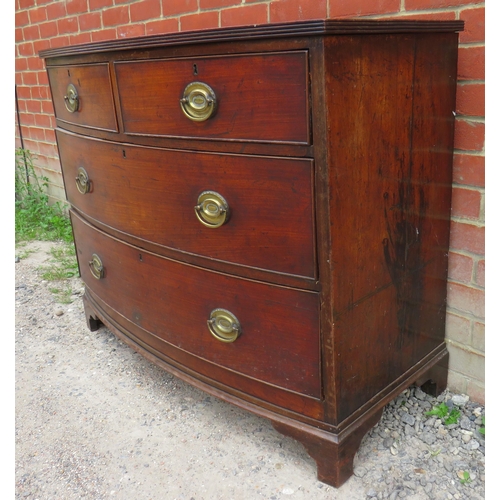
x=92 y=81
x=335 y=256
x=151 y=193
x=260 y=97
x=278 y=344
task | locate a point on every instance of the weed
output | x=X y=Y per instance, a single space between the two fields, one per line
x=443 y=412
x=464 y=477
x=36 y=219
x=482 y=429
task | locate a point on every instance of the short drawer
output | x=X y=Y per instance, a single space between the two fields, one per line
x=166 y=197
x=255 y=97
x=272 y=337
x=82 y=95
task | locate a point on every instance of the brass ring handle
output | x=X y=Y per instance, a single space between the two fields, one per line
x=82 y=181
x=71 y=99
x=96 y=267
x=198 y=101
x=212 y=209
x=224 y=325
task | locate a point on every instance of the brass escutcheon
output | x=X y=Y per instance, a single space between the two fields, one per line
x=212 y=209
x=224 y=325
x=71 y=99
x=96 y=267
x=82 y=181
x=198 y=101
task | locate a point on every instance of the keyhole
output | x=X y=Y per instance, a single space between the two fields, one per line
x=69 y=74
x=123 y=153
x=195 y=69
x=140 y=257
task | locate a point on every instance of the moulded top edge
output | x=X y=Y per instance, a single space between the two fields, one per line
x=245 y=33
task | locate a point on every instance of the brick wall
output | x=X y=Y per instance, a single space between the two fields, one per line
x=42 y=24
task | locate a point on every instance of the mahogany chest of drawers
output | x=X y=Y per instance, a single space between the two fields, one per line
x=264 y=212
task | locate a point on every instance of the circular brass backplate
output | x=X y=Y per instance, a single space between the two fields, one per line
x=212 y=209
x=96 y=267
x=198 y=101
x=71 y=100
x=82 y=181
x=224 y=325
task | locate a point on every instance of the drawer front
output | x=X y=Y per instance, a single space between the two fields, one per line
x=258 y=97
x=278 y=341
x=82 y=95
x=152 y=193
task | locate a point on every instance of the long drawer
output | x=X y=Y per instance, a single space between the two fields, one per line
x=170 y=198
x=250 y=97
x=265 y=332
x=82 y=95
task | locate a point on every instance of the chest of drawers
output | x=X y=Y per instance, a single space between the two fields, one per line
x=264 y=212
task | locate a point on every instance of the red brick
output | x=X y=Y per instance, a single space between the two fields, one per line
x=25 y=49
x=26 y=4
x=481 y=274
x=295 y=10
x=35 y=63
x=37 y=133
x=47 y=107
x=23 y=92
x=471 y=63
x=469 y=170
x=21 y=64
x=175 y=7
x=116 y=16
x=251 y=14
x=34 y=106
x=458 y=328
x=59 y=41
x=466 y=299
x=99 y=4
x=43 y=121
x=342 y=8
x=56 y=10
x=203 y=20
x=145 y=10
x=67 y=25
x=50 y=135
x=43 y=2
x=19 y=78
x=162 y=26
x=31 y=32
x=474 y=25
x=107 y=34
x=435 y=4
x=22 y=18
x=428 y=16
x=89 y=21
x=29 y=78
x=76 y=6
x=131 y=30
x=460 y=267
x=470 y=99
x=38 y=15
x=18 y=35
x=48 y=30
x=80 y=38
x=42 y=78
x=215 y=4
x=467 y=237
x=39 y=45
x=466 y=203
x=469 y=136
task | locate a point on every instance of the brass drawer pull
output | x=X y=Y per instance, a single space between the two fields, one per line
x=224 y=325
x=82 y=181
x=71 y=99
x=198 y=102
x=212 y=209
x=96 y=267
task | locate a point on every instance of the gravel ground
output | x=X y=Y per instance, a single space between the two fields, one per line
x=95 y=420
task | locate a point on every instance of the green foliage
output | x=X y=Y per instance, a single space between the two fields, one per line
x=482 y=430
x=465 y=477
x=35 y=218
x=443 y=412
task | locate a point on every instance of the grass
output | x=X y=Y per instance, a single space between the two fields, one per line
x=443 y=412
x=37 y=219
